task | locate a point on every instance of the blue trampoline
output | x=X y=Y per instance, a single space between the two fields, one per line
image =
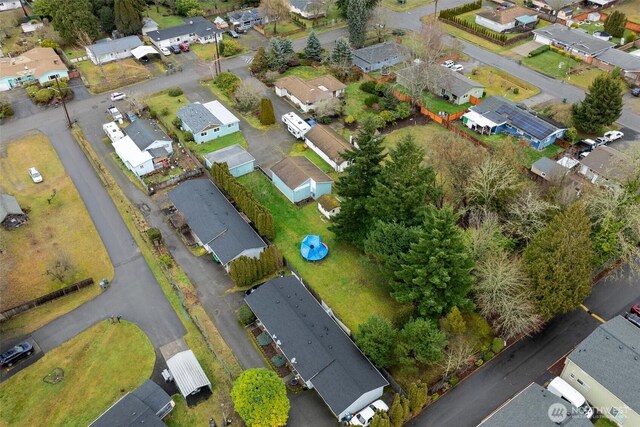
x=312 y=248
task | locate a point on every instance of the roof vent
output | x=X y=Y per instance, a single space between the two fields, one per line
x=309 y=342
x=330 y=347
x=606 y=338
x=277 y=301
x=620 y=347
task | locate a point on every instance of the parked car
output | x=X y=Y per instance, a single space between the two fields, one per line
x=184 y=46
x=448 y=64
x=165 y=51
x=398 y=32
x=636 y=309
x=35 y=175
x=233 y=34
x=115 y=113
x=613 y=135
x=633 y=318
x=117 y=96
x=175 y=48
x=364 y=417
x=635 y=91
x=144 y=59
x=457 y=67
x=601 y=140
x=10 y=357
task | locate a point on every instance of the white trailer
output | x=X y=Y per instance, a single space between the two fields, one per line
x=295 y=125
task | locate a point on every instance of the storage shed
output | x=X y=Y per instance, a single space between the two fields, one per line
x=187 y=373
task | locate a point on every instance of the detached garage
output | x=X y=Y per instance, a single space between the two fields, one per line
x=187 y=373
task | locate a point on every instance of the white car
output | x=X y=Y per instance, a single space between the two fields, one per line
x=448 y=64
x=165 y=51
x=117 y=96
x=35 y=175
x=364 y=417
x=457 y=67
x=613 y=135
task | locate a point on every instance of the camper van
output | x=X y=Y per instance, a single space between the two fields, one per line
x=295 y=125
x=562 y=389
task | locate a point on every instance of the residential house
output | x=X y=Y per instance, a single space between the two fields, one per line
x=238 y=160
x=460 y=89
x=306 y=94
x=329 y=145
x=10 y=4
x=605 y=166
x=40 y=64
x=604 y=369
x=328 y=205
x=549 y=170
x=246 y=19
x=628 y=64
x=507 y=19
x=497 y=115
x=214 y=222
x=208 y=121
x=187 y=373
x=299 y=179
x=11 y=216
x=530 y=407
x=107 y=50
x=148 y=405
x=317 y=350
x=195 y=30
x=138 y=161
x=563 y=8
x=309 y=9
x=574 y=41
x=148 y=26
x=148 y=136
x=378 y=56
x=220 y=23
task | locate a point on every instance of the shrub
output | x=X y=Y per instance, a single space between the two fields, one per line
x=631 y=37
x=188 y=136
x=378 y=122
x=230 y=47
x=164 y=111
x=479 y=362
x=49 y=43
x=166 y=260
x=43 y=96
x=403 y=110
x=227 y=82
x=245 y=315
x=153 y=114
x=175 y=91
x=31 y=91
x=497 y=345
x=387 y=116
x=453 y=381
x=177 y=122
x=270 y=77
x=571 y=135
x=267 y=116
x=349 y=120
x=369 y=87
x=5 y=109
x=154 y=234
x=516 y=90
x=488 y=356
x=370 y=100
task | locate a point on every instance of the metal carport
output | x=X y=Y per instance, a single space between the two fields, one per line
x=187 y=373
x=141 y=51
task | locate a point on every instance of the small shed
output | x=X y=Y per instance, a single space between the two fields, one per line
x=11 y=216
x=548 y=169
x=187 y=373
x=328 y=205
x=239 y=161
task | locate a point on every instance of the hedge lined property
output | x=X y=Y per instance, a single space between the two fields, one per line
x=244 y=200
x=245 y=271
x=538 y=51
x=455 y=11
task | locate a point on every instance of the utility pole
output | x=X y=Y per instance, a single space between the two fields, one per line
x=64 y=104
x=218 y=68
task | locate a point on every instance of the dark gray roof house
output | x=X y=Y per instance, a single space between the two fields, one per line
x=530 y=407
x=323 y=356
x=147 y=405
x=215 y=222
x=107 y=46
x=575 y=40
x=197 y=117
x=548 y=169
x=377 y=56
x=197 y=25
x=246 y=18
x=623 y=60
x=11 y=216
x=145 y=133
x=234 y=156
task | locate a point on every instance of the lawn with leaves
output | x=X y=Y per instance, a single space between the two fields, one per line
x=346 y=280
x=165 y=106
x=354 y=98
x=112 y=75
x=499 y=83
x=46 y=238
x=95 y=377
x=306 y=72
x=163 y=17
x=423 y=135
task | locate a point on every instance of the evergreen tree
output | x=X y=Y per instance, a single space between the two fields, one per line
x=287 y=49
x=396 y=413
x=454 y=322
x=313 y=50
x=275 y=57
x=601 y=106
x=341 y=53
x=267 y=116
x=352 y=223
x=615 y=23
x=405 y=186
x=128 y=15
x=435 y=275
x=376 y=338
x=386 y=243
x=357 y=17
x=259 y=63
x=559 y=262
x=417 y=395
x=73 y=20
x=107 y=21
x=406 y=409
x=420 y=341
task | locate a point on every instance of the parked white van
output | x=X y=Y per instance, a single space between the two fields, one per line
x=562 y=389
x=296 y=125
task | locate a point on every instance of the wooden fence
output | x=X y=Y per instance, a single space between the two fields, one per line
x=14 y=311
x=151 y=189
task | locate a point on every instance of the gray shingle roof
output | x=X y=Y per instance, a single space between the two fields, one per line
x=551 y=169
x=378 y=52
x=530 y=408
x=233 y=156
x=611 y=356
x=108 y=46
x=578 y=39
x=245 y=15
x=323 y=353
x=302 y=5
x=458 y=84
x=144 y=133
x=9 y=206
x=197 y=117
x=197 y=24
x=625 y=61
x=211 y=216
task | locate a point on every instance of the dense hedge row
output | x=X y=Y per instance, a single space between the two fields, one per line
x=479 y=29
x=538 y=51
x=450 y=13
x=245 y=271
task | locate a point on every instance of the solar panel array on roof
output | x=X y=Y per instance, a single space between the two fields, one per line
x=524 y=121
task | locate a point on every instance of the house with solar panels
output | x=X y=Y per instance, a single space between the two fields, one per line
x=497 y=115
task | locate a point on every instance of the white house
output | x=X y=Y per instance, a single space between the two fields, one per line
x=107 y=50
x=305 y=94
x=308 y=8
x=10 y=4
x=137 y=161
x=329 y=145
x=506 y=19
x=113 y=131
x=208 y=121
x=195 y=30
x=148 y=136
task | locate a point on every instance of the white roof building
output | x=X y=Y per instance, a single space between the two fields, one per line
x=187 y=373
x=137 y=161
x=225 y=116
x=113 y=131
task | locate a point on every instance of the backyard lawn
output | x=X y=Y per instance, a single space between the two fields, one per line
x=558 y=66
x=113 y=74
x=436 y=104
x=423 y=135
x=499 y=83
x=306 y=72
x=354 y=98
x=165 y=107
x=162 y=15
x=99 y=366
x=298 y=149
x=252 y=119
x=347 y=280
x=208 y=147
x=47 y=238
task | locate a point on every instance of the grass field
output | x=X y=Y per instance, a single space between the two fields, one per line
x=306 y=72
x=499 y=83
x=630 y=8
x=165 y=107
x=298 y=149
x=423 y=135
x=558 y=66
x=33 y=248
x=435 y=104
x=354 y=99
x=208 y=147
x=162 y=15
x=95 y=377
x=346 y=280
x=113 y=74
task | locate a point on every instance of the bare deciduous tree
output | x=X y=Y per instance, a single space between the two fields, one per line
x=275 y=10
x=377 y=23
x=526 y=215
x=247 y=95
x=61 y=268
x=458 y=354
x=328 y=107
x=491 y=186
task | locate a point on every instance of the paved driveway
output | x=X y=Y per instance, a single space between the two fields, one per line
x=524 y=49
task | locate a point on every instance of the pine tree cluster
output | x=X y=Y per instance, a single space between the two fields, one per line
x=245 y=271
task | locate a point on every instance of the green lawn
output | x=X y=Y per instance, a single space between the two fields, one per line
x=500 y=83
x=423 y=135
x=585 y=77
x=113 y=74
x=164 y=18
x=208 y=147
x=354 y=98
x=306 y=72
x=299 y=150
x=551 y=63
x=165 y=107
x=435 y=104
x=603 y=421
x=100 y=365
x=346 y=280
